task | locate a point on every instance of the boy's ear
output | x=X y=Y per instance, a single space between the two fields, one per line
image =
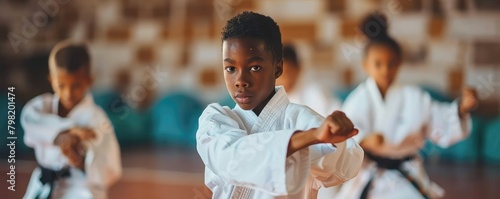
x=279 y=69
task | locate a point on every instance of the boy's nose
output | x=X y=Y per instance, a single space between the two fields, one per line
x=65 y=94
x=68 y=95
x=385 y=71
x=241 y=82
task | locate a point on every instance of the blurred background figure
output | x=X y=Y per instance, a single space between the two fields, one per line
x=75 y=146
x=302 y=89
x=394 y=120
x=157 y=64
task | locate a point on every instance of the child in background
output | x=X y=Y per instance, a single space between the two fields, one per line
x=394 y=120
x=301 y=90
x=74 y=142
x=266 y=147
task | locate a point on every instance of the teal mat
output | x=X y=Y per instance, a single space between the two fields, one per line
x=175 y=119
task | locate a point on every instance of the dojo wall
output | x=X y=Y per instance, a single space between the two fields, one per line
x=447 y=44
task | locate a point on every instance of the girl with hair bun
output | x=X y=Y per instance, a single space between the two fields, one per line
x=394 y=120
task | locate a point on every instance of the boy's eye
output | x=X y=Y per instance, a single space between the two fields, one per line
x=256 y=68
x=230 y=69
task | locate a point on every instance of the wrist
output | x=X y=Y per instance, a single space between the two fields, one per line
x=313 y=136
x=300 y=140
x=60 y=137
x=461 y=111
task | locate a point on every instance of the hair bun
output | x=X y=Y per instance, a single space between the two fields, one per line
x=374 y=26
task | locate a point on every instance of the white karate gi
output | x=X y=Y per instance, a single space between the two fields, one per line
x=313 y=95
x=405 y=110
x=245 y=154
x=102 y=161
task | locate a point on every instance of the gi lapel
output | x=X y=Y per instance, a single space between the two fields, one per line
x=265 y=122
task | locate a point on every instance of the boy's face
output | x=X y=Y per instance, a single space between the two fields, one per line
x=382 y=64
x=250 y=71
x=290 y=75
x=70 y=87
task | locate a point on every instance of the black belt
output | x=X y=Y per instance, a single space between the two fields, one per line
x=50 y=176
x=391 y=164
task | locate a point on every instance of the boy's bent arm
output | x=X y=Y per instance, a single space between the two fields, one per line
x=336 y=165
x=341 y=159
x=258 y=161
x=39 y=125
x=301 y=140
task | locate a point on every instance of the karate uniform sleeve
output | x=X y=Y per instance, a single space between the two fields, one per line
x=335 y=165
x=103 y=161
x=41 y=126
x=445 y=127
x=257 y=161
x=332 y=165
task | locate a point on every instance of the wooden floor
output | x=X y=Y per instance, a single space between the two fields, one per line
x=178 y=174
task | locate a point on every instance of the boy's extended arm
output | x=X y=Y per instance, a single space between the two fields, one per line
x=258 y=161
x=340 y=159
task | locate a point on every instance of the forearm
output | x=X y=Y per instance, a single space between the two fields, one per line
x=376 y=149
x=383 y=150
x=375 y=144
x=300 y=140
x=389 y=151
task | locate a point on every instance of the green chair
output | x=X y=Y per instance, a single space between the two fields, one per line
x=132 y=127
x=175 y=119
x=491 y=142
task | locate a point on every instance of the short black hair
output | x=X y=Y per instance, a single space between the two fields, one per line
x=72 y=57
x=375 y=26
x=290 y=54
x=251 y=24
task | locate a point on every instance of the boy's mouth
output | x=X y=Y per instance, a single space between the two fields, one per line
x=242 y=98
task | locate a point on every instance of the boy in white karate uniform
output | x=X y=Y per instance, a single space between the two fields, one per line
x=303 y=90
x=394 y=121
x=266 y=147
x=74 y=142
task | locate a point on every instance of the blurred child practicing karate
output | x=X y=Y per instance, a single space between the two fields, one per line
x=74 y=142
x=394 y=120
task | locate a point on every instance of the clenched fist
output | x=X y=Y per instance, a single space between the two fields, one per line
x=72 y=147
x=84 y=134
x=469 y=101
x=336 y=128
